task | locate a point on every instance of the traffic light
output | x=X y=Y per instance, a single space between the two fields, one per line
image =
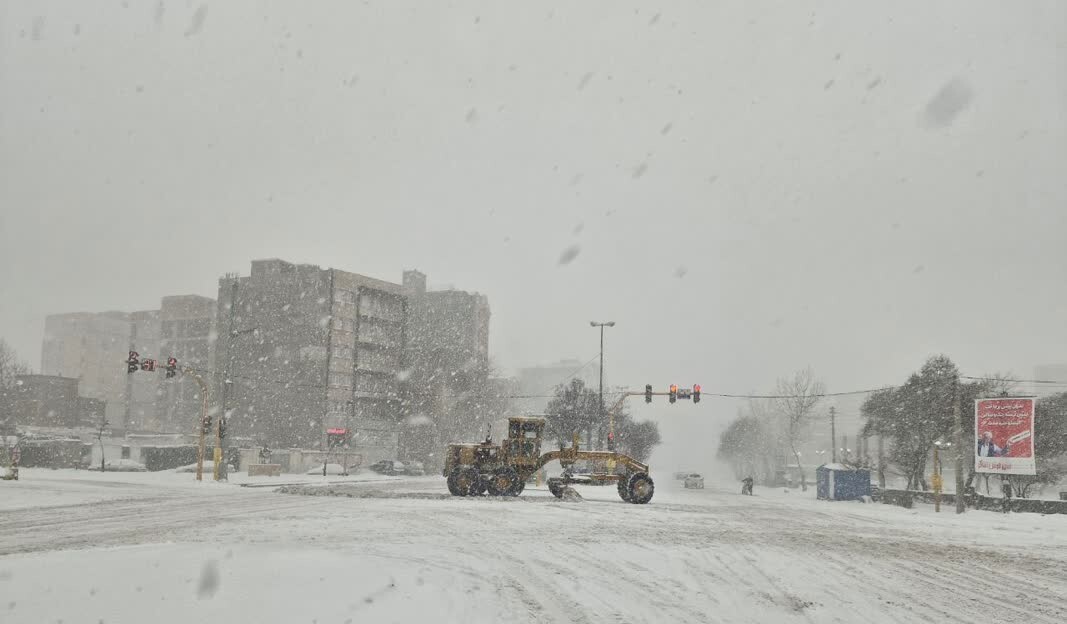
x=205 y=425
x=172 y=367
x=222 y=428
x=133 y=362
x=696 y=393
x=674 y=393
x=648 y=393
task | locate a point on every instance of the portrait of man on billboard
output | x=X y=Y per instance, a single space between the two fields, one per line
x=988 y=448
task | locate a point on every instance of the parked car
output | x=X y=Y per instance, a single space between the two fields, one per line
x=388 y=467
x=694 y=481
x=414 y=469
x=680 y=476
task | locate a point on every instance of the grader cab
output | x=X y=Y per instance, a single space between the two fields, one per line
x=503 y=469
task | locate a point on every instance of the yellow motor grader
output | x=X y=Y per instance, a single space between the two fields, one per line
x=503 y=469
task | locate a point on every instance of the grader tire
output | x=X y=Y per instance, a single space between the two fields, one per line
x=503 y=481
x=453 y=488
x=623 y=486
x=556 y=489
x=519 y=487
x=639 y=488
x=463 y=481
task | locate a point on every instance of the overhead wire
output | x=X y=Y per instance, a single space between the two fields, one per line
x=704 y=393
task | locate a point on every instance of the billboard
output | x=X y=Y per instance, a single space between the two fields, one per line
x=1004 y=436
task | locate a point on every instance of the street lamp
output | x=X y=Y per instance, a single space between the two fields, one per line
x=938 y=482
x=611 y=425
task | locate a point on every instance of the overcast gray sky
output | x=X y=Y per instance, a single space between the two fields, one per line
x=751 y=187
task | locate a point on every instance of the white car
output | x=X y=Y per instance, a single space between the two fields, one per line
x=694 y=481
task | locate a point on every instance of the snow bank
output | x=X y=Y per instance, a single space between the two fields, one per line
x=208 y=468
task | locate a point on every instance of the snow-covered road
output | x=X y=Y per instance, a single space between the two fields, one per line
x=82 y=547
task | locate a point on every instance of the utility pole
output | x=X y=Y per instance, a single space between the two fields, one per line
x=833 y=434
x=600 y=404
x=960 y=503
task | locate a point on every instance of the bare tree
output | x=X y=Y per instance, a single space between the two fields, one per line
x=998 y=384
x=11 y=366
x=797 y=397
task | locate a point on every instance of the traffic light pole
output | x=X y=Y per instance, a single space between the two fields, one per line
x=648 y=394
x=203 y=419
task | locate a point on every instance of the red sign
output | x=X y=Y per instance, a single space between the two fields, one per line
x=337 y=431
x=1004 y=436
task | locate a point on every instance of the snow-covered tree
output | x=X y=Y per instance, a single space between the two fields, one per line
x=11 y=366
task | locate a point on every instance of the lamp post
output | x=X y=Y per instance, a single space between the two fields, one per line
x=600 y=403
x=938 y=482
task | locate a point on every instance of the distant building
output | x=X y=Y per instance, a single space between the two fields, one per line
x=312 y=349
x=91 y=347
x=316 y=349
x=448 y=395
x=186 y=332
x=51 y=401
x=447 y=339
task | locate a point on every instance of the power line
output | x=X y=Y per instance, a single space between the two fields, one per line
x=794 y=396
x=725 y=395
x=1006 y=379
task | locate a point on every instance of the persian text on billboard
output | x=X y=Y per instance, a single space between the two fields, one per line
x=1004 y=436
